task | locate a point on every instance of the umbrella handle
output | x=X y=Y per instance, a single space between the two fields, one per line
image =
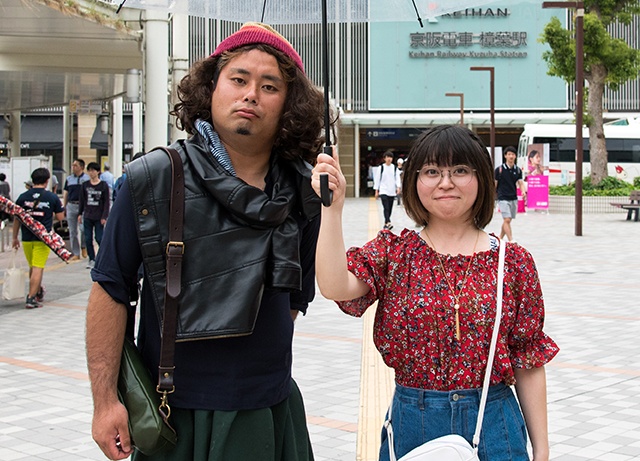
x=326 y=194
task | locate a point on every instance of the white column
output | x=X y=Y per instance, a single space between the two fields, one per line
x=156 y=74
x=67 y=140
x=16 y=134
x=137 y=129
x=180 y=65
x=115 y=151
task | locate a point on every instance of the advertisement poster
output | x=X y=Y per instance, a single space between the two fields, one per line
x=537 y=170
x=538 y=192
x=537 y=159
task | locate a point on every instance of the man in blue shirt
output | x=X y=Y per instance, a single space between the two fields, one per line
x=108 y=178
x=71 y=202
x=250 y=228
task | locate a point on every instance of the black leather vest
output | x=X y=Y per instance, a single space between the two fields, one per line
x=236 y=239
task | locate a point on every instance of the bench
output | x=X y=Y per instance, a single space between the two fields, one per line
x=633 y=207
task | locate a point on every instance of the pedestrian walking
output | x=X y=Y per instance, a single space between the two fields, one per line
x=108 y=178
x=399 y=163
x=508 y=177
x=71 y=202
x=94 y=210
x=5 y=191
x=42 y=205
x=436 y=293
x=387 y=185
x=250 y=227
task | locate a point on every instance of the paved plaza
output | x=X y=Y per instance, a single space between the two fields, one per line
x=591 y=286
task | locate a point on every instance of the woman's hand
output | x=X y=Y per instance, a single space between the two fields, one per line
x=330 y=165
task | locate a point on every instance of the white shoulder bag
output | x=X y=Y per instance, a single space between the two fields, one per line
x=454 y=447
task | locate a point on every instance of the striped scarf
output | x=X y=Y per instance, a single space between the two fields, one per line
x=215 y=146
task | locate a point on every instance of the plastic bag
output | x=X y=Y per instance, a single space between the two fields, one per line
x=14 y=281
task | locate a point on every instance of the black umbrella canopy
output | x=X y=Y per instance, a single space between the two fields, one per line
x=308 y=12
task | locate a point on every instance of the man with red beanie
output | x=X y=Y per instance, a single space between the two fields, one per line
x=250 y=229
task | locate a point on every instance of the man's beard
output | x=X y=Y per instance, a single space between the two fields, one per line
x=243 y=131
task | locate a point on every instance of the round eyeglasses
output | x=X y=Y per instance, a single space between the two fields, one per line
x=460 y=175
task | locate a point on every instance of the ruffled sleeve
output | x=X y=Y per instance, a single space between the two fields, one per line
x=369 y=263
x=529 y=346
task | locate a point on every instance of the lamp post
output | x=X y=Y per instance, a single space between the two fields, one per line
x=579 y=7
x=461 y=96
x=492 y=105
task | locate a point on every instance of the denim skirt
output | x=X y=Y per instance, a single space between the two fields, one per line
x=421 y=415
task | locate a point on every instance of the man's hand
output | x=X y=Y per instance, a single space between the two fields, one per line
x=16 y=243
x=104 y=349
x=110 y=430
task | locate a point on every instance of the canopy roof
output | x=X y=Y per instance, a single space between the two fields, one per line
x=51 y=53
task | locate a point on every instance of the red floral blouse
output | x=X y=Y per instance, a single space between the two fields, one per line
x=414 y=326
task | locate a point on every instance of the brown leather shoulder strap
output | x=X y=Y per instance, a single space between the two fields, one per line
x=174 y=253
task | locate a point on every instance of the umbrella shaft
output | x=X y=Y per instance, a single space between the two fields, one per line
x=325 y=72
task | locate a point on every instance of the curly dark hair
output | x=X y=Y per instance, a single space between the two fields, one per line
x=449 y=145
x=301 y=127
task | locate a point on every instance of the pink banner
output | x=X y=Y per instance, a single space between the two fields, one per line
x=521 y=208
x=538 y=192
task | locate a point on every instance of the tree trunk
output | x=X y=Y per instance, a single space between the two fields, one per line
x=597 y=142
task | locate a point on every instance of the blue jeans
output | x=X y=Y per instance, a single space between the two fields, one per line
x=422 y=415
x=89 y=226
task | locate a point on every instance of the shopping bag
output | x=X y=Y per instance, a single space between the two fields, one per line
x=14 y=281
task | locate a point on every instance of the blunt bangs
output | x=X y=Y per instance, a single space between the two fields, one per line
x=445 y=146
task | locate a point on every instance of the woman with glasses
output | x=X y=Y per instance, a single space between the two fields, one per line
x=435 y=290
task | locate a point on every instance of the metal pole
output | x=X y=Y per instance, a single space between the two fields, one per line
x=579 y=112
x=492 y=136
x=579 y=6
x=325 y=74
x=461 y=96
x=326 y=194
x=492 y=109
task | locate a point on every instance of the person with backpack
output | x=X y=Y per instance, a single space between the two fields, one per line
x=508 y=177
x=387 y=184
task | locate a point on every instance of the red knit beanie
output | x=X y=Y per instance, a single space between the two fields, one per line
x=256 y=32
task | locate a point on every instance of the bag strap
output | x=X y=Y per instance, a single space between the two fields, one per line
x=494 y=343
x=487 y=373
x=174 y=252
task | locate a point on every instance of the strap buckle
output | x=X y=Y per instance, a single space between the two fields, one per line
x=175 y=245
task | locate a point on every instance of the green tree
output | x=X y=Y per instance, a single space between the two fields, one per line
x=607 y=61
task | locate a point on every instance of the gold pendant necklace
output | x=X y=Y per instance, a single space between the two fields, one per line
x=456 y=298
